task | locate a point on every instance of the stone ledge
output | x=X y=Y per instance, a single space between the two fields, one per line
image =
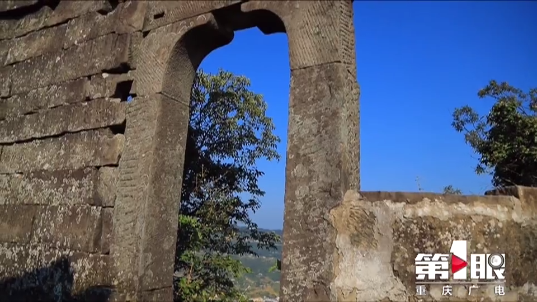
x=506 y=197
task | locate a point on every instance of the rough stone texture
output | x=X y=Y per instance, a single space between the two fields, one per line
x=5 y=87
x=90 y=184
x=17 y=223
x=106 y=85
x=60 y=187
x=8 y=5
x=75 y=227
x=45 y=98
x=94 y=56
x=380 y=233
x=70 y=151
x=36 y=43
x=73 y=118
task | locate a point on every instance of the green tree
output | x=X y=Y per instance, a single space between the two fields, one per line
x=505 y=139
x=228 y=133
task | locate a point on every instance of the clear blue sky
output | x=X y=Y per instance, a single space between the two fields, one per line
x=417 y=62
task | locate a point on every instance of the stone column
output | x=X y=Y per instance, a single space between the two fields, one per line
x=151 y=168
x=323 y=139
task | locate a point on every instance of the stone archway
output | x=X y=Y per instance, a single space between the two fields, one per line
x=322 y=157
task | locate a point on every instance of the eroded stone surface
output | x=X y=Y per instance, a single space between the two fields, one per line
x=16 y=223
x=47 y=17
x=70 y=151
x=84 y=186
x=5 y=86
x=127 y=18
x=94 y=56
x=52 y=274
x=76 y=227
x=380 y=233
x=107 y=229
x=8 y=5
x=36 y=43
x=85 y=116
x=91 y=221
x=44 y=98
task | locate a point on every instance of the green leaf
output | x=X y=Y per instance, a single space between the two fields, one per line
x=228 y=134
x=504 y=138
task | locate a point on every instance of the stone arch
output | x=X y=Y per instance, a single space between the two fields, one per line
x=149 y=187
x=322 y=156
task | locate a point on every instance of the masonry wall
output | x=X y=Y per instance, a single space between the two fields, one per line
x=77 y=161
x=89 y=183
x=65 y=79
x=380 y=233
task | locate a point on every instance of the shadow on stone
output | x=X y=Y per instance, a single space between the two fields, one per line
x=53 y=283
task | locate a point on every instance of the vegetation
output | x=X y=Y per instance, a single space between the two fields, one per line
x=222 y=255
x=451 y=190
x=228 y=133
x=505 y=139
x=261 y=281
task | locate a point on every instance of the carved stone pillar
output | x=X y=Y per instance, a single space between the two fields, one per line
x=323 y=149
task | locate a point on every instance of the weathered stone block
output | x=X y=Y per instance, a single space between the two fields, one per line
x=5 y=46
x=52 y=274
x=131 y=16
x=11 y=28
x=107 y=229
x=528 y=195
x=34 y=73
x=104 y=53
x=47 y=17
x=85 y=186
x=63 y=119
x=5 y=86
x=71 y=151
x=36 y=43
x=91 y=271
x=15 y=259
x=43 y=98
x=88 y=27
x=75 y=227
x=127 y=18
x=16 y=223
x=8 y=5
x=71 y=9
x=106 y=186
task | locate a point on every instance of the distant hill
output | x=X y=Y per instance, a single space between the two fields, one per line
x=261 y=282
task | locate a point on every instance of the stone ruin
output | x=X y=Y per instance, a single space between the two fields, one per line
x=90 y=184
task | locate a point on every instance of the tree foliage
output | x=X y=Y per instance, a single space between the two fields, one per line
x=505 y=139
x=228 y=133
x=452 y=190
